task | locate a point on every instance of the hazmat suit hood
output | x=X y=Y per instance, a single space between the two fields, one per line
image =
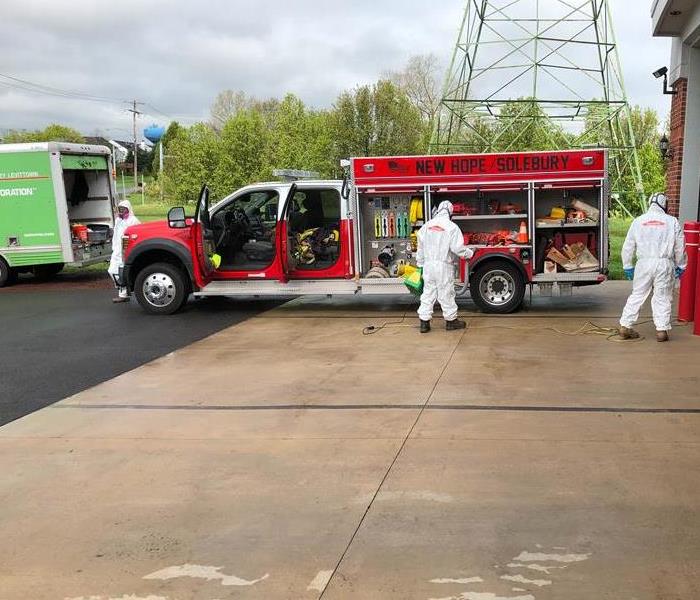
x=659 y=200
x=445 y=209
x=126 y=204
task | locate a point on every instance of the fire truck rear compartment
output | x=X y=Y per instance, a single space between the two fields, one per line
x=567 y=219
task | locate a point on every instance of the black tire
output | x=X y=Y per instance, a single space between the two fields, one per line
x=498 y=287
x=46 y=272
x=8 y=275
x=161 y=288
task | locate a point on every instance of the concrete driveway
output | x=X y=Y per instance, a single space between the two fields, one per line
x=292 y=457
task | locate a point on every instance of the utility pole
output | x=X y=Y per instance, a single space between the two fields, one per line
x=135 y=112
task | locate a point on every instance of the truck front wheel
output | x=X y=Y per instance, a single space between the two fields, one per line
x=161 y=288
x=8 y=275
x=498 y=287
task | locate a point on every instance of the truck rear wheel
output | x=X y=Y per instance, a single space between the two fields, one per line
x=161 y=288
x=8 y=275
x=46 y=272
x=498 y=287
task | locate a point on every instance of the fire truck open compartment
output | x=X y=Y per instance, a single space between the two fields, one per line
x=489 y=215
x=568 y=215
x=387 y=230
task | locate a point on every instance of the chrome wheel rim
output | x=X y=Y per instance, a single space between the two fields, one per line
x=497 y=288
x=159 y=290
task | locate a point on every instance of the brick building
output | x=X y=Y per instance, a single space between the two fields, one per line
x=680 y=20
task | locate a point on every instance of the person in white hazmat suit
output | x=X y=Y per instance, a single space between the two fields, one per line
x=657 y=240
x=125 y=219
x=440 y=243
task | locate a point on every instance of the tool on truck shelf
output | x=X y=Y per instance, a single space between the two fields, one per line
x=416 y=211
x=574 y=258
x=490 y=238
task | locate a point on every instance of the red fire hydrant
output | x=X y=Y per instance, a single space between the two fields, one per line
x=696 y=328
x=686 y=301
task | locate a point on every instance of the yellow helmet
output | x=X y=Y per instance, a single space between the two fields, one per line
x=558 y=213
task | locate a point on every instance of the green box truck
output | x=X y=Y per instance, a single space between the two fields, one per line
x=56 y=207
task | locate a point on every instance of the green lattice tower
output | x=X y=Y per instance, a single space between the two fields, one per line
x=536 y=75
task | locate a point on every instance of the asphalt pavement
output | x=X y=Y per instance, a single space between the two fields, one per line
x=57 y=341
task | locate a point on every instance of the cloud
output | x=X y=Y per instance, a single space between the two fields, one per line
x=178 y=54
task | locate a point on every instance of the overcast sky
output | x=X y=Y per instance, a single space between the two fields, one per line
x=177 y=54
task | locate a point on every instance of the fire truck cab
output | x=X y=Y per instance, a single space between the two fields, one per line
x=536 y=218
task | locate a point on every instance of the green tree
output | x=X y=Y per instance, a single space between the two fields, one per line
x=645 y=125
x=653 y=170
x=419 y=81
x=376 y=120
x=242 y=157
x=170 y=133
x=145 y=160
x=52 y=133
x=229 y=103
x=300 y=138
x=192 y=157
x=523 y=125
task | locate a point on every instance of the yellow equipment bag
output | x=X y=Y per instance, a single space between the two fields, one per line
x=416 y=210
x=414 y=282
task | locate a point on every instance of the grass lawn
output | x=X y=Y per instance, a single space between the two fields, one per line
x=149 y=211
x=618 y=231
x=128 y=181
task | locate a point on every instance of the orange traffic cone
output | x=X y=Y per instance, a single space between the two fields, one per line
x=522 y=236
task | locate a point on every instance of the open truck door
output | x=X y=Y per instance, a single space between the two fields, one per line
x=203 y=235
x=287 y=237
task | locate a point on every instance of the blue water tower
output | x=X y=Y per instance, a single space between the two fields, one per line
x=154 y=133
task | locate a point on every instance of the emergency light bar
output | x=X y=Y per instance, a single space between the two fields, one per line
x=294 y=174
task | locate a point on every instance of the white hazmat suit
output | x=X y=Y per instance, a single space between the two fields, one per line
x=440 y=242
x=120 y=226
x=656 y=238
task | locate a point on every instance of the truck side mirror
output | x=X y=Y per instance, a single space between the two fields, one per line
x=177 y=218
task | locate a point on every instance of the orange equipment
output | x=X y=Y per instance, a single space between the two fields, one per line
x=522 y=235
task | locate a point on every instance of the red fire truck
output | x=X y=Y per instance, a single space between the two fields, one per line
x=536 y=218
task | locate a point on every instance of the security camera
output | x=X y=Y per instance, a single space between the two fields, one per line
x=663 y=72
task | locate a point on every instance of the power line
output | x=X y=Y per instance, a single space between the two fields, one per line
x=24 y=85
x=160 y=112
x=37 y=88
